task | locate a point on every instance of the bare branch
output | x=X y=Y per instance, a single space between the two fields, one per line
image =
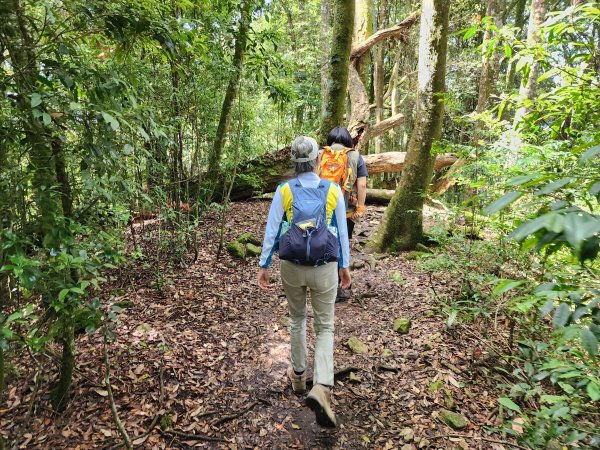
x=395 y=32
x=382 y=127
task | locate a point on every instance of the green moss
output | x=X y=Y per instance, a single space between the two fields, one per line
x=249 y=238
x=402 y=325
x=356 y=345
x=236 y=249
x=453 y=420
x=252 y=250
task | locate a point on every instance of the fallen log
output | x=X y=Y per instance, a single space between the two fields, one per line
x=394 y=162
x=264 y=174
x=383 y=197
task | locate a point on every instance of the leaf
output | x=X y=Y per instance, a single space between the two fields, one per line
x=501 y=203
x=46 y=119
x=590 y=342
x=452 y=317
x=62 y=294
x=554 y=186
x=561 y=316
x=593 y=390
x=589 y=153
x=508 y=403
x=36 y=99
x=114 y=124
x=528 y=227
x=546 y=308
x=522 y=179
x=101 y=392
x=506 y=285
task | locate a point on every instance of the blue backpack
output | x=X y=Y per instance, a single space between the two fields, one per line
x=310 y=237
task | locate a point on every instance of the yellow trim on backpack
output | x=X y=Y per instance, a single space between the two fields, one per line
x=286 y=200
x=332 y=198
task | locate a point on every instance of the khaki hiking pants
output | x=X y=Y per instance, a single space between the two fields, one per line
x=322 y=282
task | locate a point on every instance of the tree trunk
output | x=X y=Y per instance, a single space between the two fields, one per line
x=363 y=29
x=325 y=69
x=20 y=45
x=379 y=74
x=61 y=390
x=341 y=43
x=519 y=24
x=489 y=63
x=214 y=159
x=402 y=227
x=528 y=90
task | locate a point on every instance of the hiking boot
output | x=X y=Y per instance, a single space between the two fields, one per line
x=319 y=400
x=298 y=381
x=343 y=295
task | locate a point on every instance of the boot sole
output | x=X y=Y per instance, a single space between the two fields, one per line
x=321 y=415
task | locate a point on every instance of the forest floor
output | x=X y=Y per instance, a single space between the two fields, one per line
x=218 y=346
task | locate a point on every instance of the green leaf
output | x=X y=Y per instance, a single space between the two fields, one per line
x=561 y=316
x=595 y=189
x=62 y=294
x=114 y=124
x=554 y=186
x=501 y=203
x=522 y=179
x=590 y=342
x=589 y=153
x=14 y=316
x=553 y=399
x=36 y=99
x=548 y=306
x=46 y=119
x=452 y=317
x=593 y=390
x=77 y=290
x=506 y=285
x=529 y=227
x=508 y=403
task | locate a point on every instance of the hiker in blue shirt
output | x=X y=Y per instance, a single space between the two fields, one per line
x=307 y=225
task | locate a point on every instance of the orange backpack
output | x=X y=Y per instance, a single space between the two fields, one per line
x=340 y=167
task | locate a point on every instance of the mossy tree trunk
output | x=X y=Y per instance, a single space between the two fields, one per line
x=231 y=93
x=20 y=44
x=402 y=227
x=325 y=42
x=341 y=44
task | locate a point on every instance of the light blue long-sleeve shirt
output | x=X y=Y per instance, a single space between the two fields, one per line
x=274 y=222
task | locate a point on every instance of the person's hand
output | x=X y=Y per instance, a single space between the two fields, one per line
x=345 y=278
x=263 y=279
x=359 y=211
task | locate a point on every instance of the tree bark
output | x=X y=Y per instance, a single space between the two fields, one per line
x=214 y=159
x=274 y=168
x=358 y=123
x=363 y=29
x=335 y=97
x=20 y=45
x=519 y=24
x=489 y=62
x=325 y=69
x=528 y=90
x=379 y=72
x=402 y=227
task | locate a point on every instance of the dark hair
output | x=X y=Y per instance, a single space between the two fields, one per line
x=340 y=135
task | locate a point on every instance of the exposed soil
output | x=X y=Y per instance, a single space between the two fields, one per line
x=221 y=345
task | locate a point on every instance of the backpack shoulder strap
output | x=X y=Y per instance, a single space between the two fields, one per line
x=331 y=199
x=287 y=197
x=353 y=156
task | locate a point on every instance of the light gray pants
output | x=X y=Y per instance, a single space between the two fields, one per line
x=322 y=281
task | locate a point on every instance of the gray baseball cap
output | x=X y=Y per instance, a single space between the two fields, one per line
x=304 y=149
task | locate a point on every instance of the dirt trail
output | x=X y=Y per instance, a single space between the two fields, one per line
x=222 y=347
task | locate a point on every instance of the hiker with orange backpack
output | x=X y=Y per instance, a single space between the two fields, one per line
x=344 y=165
x=303 y=226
